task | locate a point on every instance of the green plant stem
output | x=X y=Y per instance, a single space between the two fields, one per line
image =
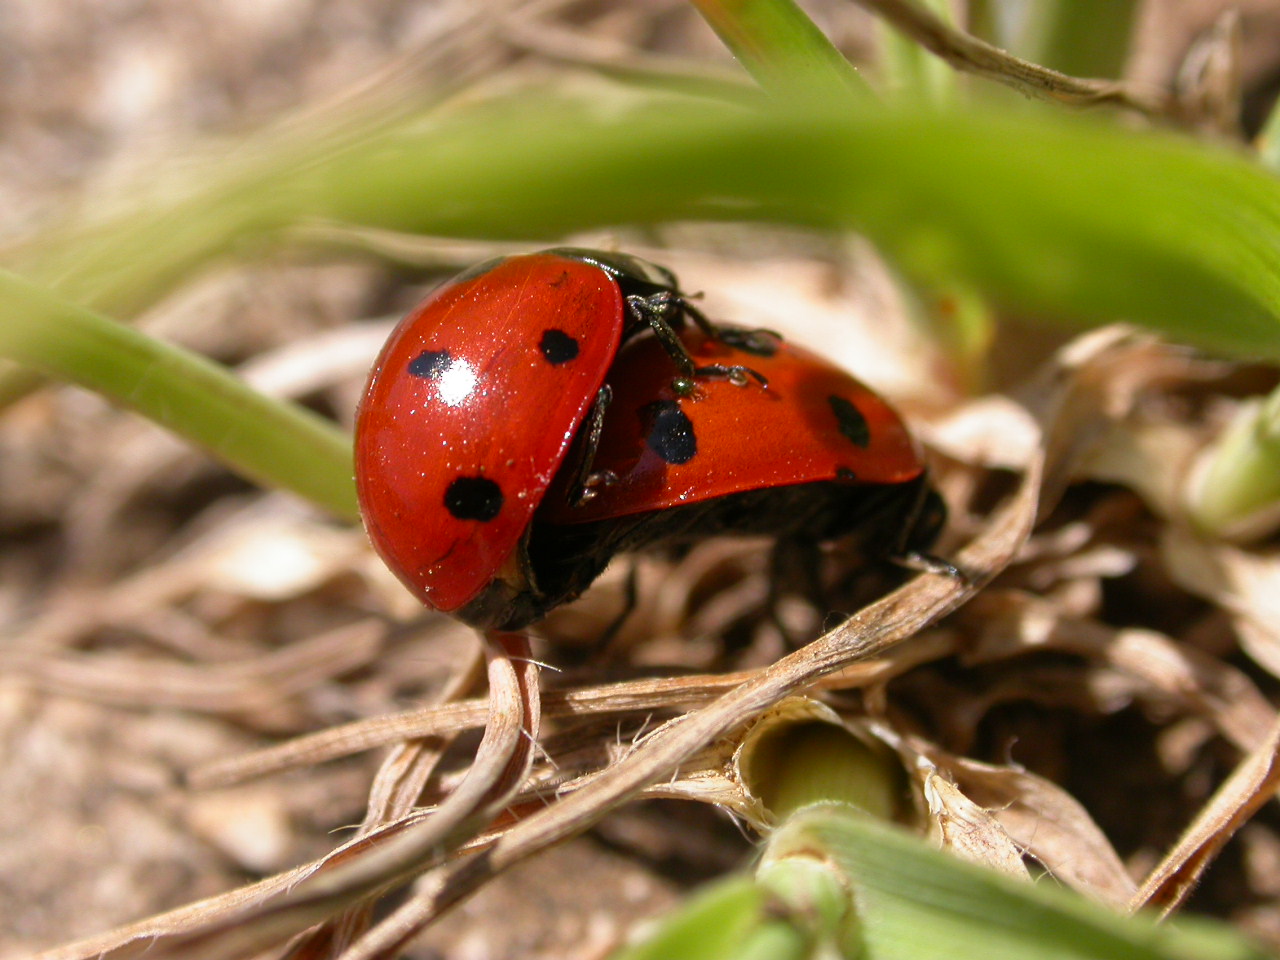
x=1085 y=38
x=792 y=764
x=910 y=69
x=1268 y=142
x=786 y=53
x=1068 y=220
x=275 y=443
x=1237 y=492
x=731 y=920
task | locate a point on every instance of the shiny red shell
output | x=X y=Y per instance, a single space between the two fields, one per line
x=470 y=411
x=812 y=422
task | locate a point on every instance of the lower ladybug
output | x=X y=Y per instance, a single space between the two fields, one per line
x=808 y=455
x=475 y=400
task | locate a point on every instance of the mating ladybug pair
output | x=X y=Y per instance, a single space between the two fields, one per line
x=520 y=427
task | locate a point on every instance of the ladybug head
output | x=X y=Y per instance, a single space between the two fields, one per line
x=639 y=276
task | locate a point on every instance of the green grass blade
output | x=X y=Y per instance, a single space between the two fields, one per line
x=1085 y=38
x=127 y=263
x=786 y=53
x=1069 y=220
x=731 y=920
x=275 y=443
x=915 y=903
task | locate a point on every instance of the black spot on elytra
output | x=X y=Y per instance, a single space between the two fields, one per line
x=558 y=347
x=760 y=343
x=473 y=498
x=670 y=433
x=852 y=423
x=846 y=475
x=429 y=364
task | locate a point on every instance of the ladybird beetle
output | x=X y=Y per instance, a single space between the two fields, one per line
x=812 y=423
x=810 y=455
x=475 y=400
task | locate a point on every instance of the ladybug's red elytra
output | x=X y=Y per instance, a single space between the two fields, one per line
x=476 y=397
x=515 y=434
x=812 y=423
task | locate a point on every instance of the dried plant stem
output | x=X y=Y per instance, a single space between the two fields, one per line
x=966 y=52
x=623 y=697
x=658 y=757
x=1253 y=783
x=501 y=765
x=396 y=789
x=241 y=924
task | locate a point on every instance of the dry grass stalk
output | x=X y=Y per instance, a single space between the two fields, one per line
x=968 y=53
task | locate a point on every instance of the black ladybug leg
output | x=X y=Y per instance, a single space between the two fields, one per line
x=758 y=340
x=762 y=343
x=923 y=522
x=735 y=375
x=699 y=318
x=656 y=310
x=584 y=481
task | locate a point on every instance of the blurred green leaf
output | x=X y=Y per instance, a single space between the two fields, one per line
x=1065 y=219
x=915 y=903
x=731 y=920
x=276 y=443
x=1060 y=218
x=1086 y=38
x=904 y=900
x=784 y=51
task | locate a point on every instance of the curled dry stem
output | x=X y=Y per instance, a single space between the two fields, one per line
x=254 y=919
x=1253 y=783
x=963 y=51
x=396 y=790
x=628 y=696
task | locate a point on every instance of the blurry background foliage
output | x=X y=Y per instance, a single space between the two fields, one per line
x=997 y=191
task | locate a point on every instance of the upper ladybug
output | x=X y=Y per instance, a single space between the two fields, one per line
x=475 y=398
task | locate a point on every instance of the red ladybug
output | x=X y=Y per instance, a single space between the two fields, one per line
x=810 y=423
x=474 y=403
x=809 y=455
